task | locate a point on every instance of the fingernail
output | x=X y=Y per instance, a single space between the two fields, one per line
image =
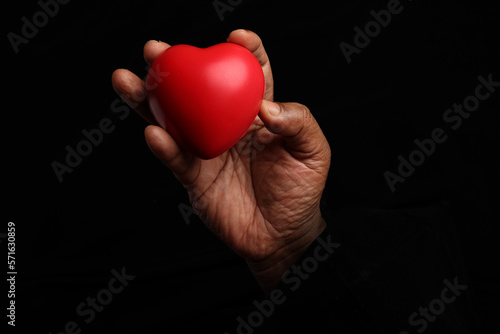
x=274 y=109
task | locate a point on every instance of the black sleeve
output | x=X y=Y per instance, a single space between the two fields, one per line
x=377 y=271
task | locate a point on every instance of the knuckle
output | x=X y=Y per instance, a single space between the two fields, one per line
x=304 y=113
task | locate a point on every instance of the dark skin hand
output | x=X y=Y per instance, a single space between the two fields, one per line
x=262 y=196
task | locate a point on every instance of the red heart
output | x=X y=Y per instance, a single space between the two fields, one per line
x=205 y=98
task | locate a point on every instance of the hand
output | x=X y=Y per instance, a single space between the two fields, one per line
x=262 y=196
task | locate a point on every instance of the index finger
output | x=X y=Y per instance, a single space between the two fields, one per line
x=252 y=42
x=152 y=49
x=131 y=88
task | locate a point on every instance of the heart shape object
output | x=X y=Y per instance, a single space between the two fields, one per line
x=205 y=98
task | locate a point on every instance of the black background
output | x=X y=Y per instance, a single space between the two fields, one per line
x=120 y=206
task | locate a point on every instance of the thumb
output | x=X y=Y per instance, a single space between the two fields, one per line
x=295 y=123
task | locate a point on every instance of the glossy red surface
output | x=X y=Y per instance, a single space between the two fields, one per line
x=205 y=98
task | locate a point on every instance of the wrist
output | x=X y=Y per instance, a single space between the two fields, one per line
x=268 y=272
